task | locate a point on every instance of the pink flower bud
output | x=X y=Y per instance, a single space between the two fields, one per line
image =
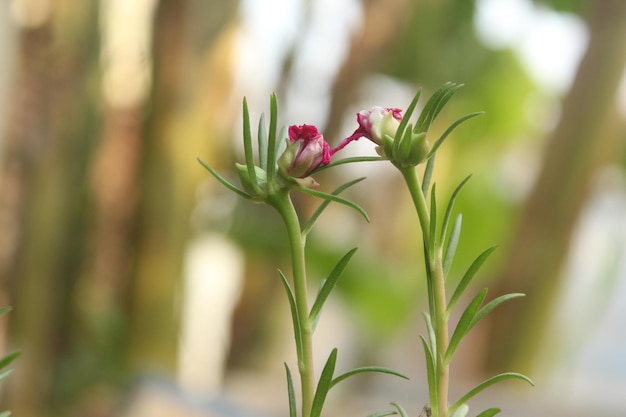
x=376 y=124
x=306 y=150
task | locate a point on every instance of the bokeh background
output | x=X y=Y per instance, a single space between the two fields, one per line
x=141 y=287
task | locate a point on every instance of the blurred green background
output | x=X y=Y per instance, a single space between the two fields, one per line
x=128 y=266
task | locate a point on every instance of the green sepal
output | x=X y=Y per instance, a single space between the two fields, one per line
x=324 y=384
x=309 y=225
x=5 y=310
x=225 y=182
x=489 y=412
x=291 y=393
x=412 y=149
x=294 y=316
x=336 y=199
x=396 y=149
x=326 y=288
x=487 y=383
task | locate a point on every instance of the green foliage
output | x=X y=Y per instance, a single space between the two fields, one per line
x=487 y=383
x=262 y=183
x=324 y=384
x=6 y=361
x=489 y=412
x=291 y=393
x=327 y=287
x=438 y=350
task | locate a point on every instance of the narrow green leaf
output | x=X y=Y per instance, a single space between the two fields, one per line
x=281 y=141
x=297 y=327
x=491 y=305
x=336 y=199
x=324 y=384
x=402 y=147
x=364 y=369
x=449 y=130
x=5 y=310
x=271 y=139
x=247 y=148
x=464 y=325
x=5 y=414
x=489 y=412
x=309 y=225
x=401 y=411
x=429 y=284
x=4 y=362
x=487 y=383
x=446 y=217
x=6 y=373
x=380 y=414
x=452 y=244
x=262 y=141
x=348 y=161
x=327 y=286
x=432 y=339
x=431 y=373
x=225 y=182
x=467 y=278
x=433 y=220
x=434 y=105
x=407 y=116
x=291 y=392
x=461 y=411
x=439 y=102
x=428 y=174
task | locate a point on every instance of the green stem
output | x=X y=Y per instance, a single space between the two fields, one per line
x=437 y=301
x=284 y=205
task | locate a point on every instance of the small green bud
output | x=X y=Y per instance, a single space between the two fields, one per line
x=246 y=181
x=413 y=149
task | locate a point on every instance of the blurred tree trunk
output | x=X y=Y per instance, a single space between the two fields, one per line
x=581 y=142
x=192 y=82
x=42 y=192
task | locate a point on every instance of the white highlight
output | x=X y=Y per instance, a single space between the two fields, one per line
x=213 y=273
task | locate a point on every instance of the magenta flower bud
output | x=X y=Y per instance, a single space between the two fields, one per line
x=306 y=150
x=378 y=124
